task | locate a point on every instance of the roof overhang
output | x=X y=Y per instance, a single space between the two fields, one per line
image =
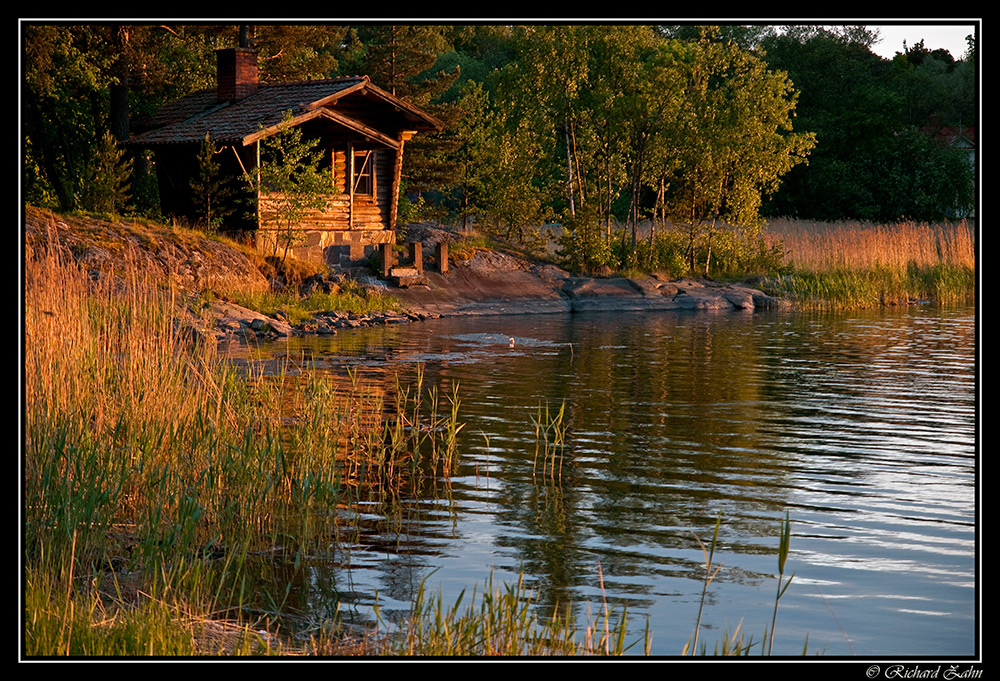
x=325 y=114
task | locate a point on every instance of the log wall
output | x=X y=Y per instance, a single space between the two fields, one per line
x=347 y=231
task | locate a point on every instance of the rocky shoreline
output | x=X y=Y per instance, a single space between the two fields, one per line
x=486 y=282
x=495 y=283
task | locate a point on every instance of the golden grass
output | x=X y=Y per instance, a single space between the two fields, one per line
x=146 y=453
x=819 y=246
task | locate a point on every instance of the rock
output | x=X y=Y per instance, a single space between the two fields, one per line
x=191 y=262
x=496 y=283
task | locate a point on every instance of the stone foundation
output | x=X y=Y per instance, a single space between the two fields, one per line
x=337 y=248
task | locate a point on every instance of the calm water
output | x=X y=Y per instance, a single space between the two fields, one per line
x=861 y=426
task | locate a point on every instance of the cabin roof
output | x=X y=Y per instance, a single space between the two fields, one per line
x=260 y=114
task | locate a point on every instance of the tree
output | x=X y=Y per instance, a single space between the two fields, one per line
x=394 y=55
x=65 y=83
x=737 y=142
x=211 y=190
x=471 y=155
x=864 y=110
x=297 y=51
x=515 y=189
x=104 y=187
x=403 y=59
x=290 y=181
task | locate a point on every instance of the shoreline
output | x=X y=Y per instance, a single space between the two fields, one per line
x=496 y=283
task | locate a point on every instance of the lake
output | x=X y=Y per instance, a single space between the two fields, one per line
x=862 y=427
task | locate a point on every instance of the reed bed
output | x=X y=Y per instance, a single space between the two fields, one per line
x=857 y=265
x=819 y=246
x=148 y=455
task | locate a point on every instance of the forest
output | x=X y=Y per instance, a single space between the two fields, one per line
x=596 y=128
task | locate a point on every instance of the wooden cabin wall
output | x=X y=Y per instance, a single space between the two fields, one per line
x=369 y=213
x=345 y=233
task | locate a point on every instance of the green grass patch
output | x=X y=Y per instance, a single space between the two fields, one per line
x=872 y=287
x=351 y=297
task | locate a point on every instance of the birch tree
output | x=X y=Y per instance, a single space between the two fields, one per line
x=737 y=124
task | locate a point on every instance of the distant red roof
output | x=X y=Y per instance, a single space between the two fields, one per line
x=951 y=134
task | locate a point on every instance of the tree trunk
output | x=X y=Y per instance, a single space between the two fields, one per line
x=247 y=35
x=569 y=169
x=119 y=90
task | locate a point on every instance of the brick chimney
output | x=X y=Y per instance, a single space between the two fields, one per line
x=237 y=73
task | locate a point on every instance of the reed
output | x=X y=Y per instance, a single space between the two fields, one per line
x=783 y=544
x=737 y=643
x=711 y=571
x=504 y=621
x=819 y=246
x=863 y=265
x=146 y=454
x=550 y=441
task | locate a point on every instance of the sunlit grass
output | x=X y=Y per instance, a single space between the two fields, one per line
x=861 y=265
x=821 y=246
x=147 y=455
x=350 y=297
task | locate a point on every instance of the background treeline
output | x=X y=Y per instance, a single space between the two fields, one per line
x=607 y=130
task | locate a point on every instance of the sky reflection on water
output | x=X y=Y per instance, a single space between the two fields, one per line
x=861 y=426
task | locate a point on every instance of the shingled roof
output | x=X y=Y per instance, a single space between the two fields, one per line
x=243 y=121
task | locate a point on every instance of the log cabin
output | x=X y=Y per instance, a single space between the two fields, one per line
x=360 y=129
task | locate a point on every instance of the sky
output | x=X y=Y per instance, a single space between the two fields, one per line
x=949 y=37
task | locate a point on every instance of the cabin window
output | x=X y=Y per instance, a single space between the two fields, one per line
x=364 y=173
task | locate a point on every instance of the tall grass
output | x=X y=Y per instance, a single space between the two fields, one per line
x=821 y=246
x=150 y=456
x=861 y=265
x=156 y=475
x=503 y=620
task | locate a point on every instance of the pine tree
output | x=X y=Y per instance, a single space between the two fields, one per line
x=105 y=186
x=211 y=191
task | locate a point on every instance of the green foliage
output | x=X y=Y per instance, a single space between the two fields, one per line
x=583 y=246
x=872 y=159
x=106 y=180
x=291 y=177
x=737 y=116
x=736 y=253
x=211 y=190
x=581 y=124
x=66 y=80
x=585 y=116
